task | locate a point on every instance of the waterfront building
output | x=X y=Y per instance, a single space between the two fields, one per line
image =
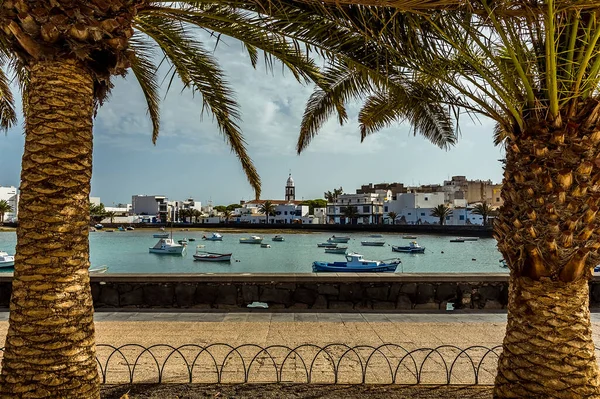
x=174 y=207
x=368 y=208
x=11 y=195
x=154 y=206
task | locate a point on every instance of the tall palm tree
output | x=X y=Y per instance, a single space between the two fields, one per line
x=393 y=215
x=64 y=54
x=268 y=208
x=350 y=213
x=4 y=209
x=184 y=214
x=441 y=211
x=110 y=215
x=197 y=214
x=332 y=196
x=227 y=215
x=483 y=209
x=533 y=67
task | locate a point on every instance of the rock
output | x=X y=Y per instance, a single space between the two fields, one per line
x=132 y=298
x=377 y=293
x=425 y=293
x=445 y=292
x=206 y=293
x=250 y=293
x=404 y=302
x=343 y=305
x=394 y=291
x=328 y=289
x=204 y=306
x=109 y=296
x=226 y=295
x=302 y=295
x=160 y=295
x=277 y=306
x=286 y=286
x=429 y=305
x=493 y=305
x=408 y=288
x=364 y=305
x=320 y=303
x=490 y=292
x=378 y=305
x=299 y=306
x=274 y=295
x=185 y=294
x=350 y=292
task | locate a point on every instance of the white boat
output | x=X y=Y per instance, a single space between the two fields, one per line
x=6 y=260
x=336 y=250
x=251 y=240
x=327 y=245
x=161 y=235
x=376 y=236
x=213 y=237
x=373 y=243
x=457 y=240
x=211 y=256
x=278 y=238
x=468 y=238
x=265 y=246
x=409 y=237
x=167 y=246
x=130 y=228
x=98 y=270
x=339 y=239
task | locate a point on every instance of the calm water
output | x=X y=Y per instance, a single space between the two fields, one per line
x=127 y=252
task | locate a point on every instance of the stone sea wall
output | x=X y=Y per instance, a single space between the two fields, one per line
x=347 y=292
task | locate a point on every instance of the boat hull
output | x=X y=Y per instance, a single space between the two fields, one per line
x=372 y=243
x=409 y=250
x=341 y=251
x=327 y=245
x=214 y=239
x=247 y=241
x=341 y=267
x=278 y=239
x=341 y=240
x=167 y=251
x=213 y=257
x=7 y=263
x=161 y=235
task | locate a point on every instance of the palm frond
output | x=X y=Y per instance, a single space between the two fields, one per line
x=199 y=72
x=8 y=116
x=146 y=74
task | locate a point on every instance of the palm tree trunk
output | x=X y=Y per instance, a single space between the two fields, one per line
x=50 y=350
x=547 y=230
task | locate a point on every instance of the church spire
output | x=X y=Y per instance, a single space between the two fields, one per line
x=290 y=189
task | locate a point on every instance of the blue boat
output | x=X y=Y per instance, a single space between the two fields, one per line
x=356 y=264
x=412 y=248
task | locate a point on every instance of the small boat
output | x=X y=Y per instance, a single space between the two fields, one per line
x=504 y=265
x=161 y=235
x=121 y=228
x=265 y=246
x=338 y=250
x=6 y=260
x=457 y=240
x=327 y=245
x=98 y=270
x=373 y=243
x=183 y=241
x=98 y=226
x=110 y=230
x=412 y=248
x=278 y=238
x=409 y=237
x=339 y=239
x=211 y=256
x=251 y=240
x=468 y=238
x=356 y=263
x=213 y=237
x=191 y=239
x=130 y=228
x=167 y=246
x=376 y=236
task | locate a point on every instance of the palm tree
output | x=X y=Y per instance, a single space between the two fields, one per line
x=268 y=208
x=393 y=215
x=4 y=208
x=110 y=215
x=227 y=215
x=484 y=210
x=184 y=214
x=441 y=211
x=350 y=213
x=332 y=196
x=196 y=213
x=63 y=55
x=533 y=67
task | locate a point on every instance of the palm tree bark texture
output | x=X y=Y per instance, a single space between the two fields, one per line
x=548 y=231
x=51 y=304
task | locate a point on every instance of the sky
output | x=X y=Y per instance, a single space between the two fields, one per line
x=191 y=159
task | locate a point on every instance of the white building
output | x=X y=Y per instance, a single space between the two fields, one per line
x=368 y=208
x=155 y=206
x=11 y=195
x=95 y=201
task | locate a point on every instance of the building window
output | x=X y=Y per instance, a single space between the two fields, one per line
x=385 y=208
x=409 y=213
x=422 y=213
x=365 y=209
x=285 y=213
x=447 y=217
x=497 y=199
x=426 y=199
x=461 y=217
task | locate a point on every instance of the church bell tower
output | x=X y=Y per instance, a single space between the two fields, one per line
x=290 y=190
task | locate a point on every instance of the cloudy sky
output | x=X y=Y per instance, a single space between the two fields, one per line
x=191 y=159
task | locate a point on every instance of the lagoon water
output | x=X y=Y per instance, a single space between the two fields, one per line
x=127 y=252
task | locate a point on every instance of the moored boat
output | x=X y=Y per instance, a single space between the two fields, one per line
x=167 y=246
x=457 y=240
x=251 y=240
x=356 y=263
x=121 y=228
x=211 y=256
x=98 y=270
x=372 y=243
x=339 y=239
x=327 y=245
x=408 y=237
x=130 y=228
x=265 y=246
x=278 y=238
x=213 y=237
x=412 y=248
x=191 y=239
x=183 y=241
x=161 y=235
x=337 y=250
x=6 y=260
x=468 y=238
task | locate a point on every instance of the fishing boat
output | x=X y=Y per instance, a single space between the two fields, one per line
x=211 y=256
x=213 y=237
x=6 y=260
x=161 y=235
x=372 y=243
x=98 y=270
x=265 y=246
x=278 y=238
x=251 y=240
x=356 y=263
x=339 y=239
x=337 y=250
x=376 y=236
x=412 y=248
x=409 y=237
x=98 y=226
x=166 y=246
x=327 y=245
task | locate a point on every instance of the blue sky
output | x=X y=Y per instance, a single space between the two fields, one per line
x=192 y=159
